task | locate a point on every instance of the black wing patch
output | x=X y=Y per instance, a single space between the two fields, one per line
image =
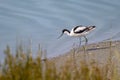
x=81 y=31
x=77 y=27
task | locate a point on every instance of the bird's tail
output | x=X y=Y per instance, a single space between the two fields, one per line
x=91 y=27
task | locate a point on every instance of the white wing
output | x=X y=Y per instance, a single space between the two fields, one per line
x=77 y=29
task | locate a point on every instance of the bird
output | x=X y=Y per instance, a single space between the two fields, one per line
x=78 y=31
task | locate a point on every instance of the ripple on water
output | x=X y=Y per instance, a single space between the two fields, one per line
x=44 y=19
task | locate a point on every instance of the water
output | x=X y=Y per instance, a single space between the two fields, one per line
x=42 y=22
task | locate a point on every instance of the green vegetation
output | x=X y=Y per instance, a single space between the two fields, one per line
x=23 y=66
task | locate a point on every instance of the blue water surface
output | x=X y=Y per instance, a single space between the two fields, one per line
x=41 y=22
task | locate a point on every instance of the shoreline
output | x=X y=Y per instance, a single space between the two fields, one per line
x=99 y=52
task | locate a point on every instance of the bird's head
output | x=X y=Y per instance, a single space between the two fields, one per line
x=64 y=31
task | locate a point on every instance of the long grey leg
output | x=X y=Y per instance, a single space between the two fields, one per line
x=80 y=41
x=86 y=40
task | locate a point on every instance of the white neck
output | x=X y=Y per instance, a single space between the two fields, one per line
x=66 y=32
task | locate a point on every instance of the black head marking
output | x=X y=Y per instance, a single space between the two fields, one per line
x=65 y=30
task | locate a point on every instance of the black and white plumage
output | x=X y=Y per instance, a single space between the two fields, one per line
x=79 y=31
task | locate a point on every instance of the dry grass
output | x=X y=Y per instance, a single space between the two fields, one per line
x=22 y=66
